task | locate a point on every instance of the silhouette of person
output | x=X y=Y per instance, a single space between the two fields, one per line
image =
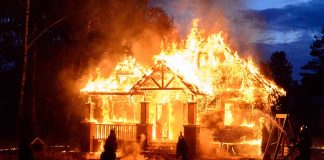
x=304 y=143
x=25 y=152
x=110 y=147
x=182 y=148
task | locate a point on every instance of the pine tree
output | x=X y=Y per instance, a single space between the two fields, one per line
x=313 y=77
x=281 y=69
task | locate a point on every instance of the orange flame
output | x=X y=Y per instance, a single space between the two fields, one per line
x=203 y=60
x=209 y=63
x=123 y=77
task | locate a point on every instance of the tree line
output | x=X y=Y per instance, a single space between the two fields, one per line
x=65 y=38
x=301 y=97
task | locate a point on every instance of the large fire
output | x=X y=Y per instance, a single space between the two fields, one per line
x=125 y=75
x=205 y=61
x=227 y=82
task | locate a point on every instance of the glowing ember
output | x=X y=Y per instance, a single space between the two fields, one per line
x=246 y=124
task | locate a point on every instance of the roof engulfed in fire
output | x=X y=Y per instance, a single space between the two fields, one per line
x=164 y=72
x=204 y=64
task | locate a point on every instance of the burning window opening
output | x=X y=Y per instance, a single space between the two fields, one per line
x=225 y=89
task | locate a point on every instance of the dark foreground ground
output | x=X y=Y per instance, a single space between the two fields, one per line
x=317 y=154
x=66 y=152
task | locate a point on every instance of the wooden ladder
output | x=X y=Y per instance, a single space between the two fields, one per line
x=282 y=144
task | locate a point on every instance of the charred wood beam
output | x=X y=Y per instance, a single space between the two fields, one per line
x=161 y=89
x=163 y=77
x=166 y=86
x=156 y=82
x=113 y=93
x=138 y=84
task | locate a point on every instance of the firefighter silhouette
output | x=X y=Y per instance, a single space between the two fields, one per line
x=304 y=143
x=182 y=148
x=25 y=152
x=110 y=147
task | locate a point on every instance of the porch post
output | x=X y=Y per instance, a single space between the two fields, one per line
x=145 y=112
x=87 y=135
x=192 y=130
x=88 y=114
x=87 y=128
x=192 y=113
x=144 y=127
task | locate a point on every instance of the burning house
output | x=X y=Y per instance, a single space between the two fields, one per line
x=197 y=86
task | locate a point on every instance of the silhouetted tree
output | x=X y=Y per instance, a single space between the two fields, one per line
x=92 y=31
x=281 y=69
x=110 y=147
x=313 y=77
x=11 y=48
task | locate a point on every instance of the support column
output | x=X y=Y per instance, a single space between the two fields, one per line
x=145 y=111
x=192 y=112
x=87 y=134
x=192 y=130
x=144 y=127
x=97 y=109
x=88 y=114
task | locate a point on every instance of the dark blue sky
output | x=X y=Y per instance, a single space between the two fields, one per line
x=291 y=28
x=265 y=25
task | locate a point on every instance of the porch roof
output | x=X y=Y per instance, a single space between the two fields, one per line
x=161 y=67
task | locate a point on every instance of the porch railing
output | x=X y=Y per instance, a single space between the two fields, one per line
x=123 y=131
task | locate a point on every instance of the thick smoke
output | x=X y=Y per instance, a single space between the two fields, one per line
x=133 y=150
x=138 y=28
x=132 y=27
x=99 y=33
x=115 y=29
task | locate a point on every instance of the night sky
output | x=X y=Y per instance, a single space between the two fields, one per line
x=275 y=25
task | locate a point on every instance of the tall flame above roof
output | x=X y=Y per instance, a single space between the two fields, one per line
x=208 y=62
x=205 y=61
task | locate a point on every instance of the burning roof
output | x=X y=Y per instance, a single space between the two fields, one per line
x=124 y=76
x=166 y=80
x=204 y=64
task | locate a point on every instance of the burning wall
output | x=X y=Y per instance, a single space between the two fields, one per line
x=202 y=68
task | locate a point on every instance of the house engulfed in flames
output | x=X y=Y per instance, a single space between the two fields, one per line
x=194 y=86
